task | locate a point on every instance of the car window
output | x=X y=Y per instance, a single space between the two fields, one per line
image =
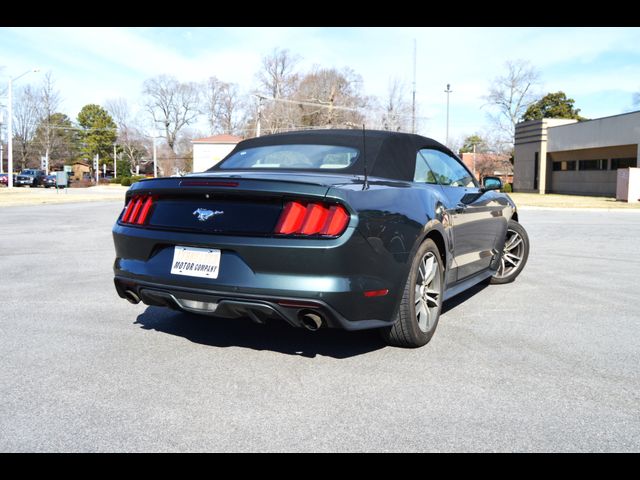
x=423 y=173
x=292 y=157
x=445 y=169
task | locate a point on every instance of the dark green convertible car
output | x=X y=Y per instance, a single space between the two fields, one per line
x=329 y=228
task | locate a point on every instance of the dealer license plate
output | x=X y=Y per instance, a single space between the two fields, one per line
x=196 y=262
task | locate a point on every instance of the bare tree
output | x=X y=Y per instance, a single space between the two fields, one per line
x=213 y=94
x=25 y=122
x=397 y=108
x=337 y=94
x=278 y=77
x=3 y=88
x=173 y=105
x=230 y=114
x=48 y=103
x=224 y=107
x=131 y=140
x=511 y=95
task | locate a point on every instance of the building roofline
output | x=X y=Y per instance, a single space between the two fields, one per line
x=596 y=119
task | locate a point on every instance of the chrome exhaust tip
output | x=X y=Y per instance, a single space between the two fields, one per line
x=310 y=320
x=131 y=297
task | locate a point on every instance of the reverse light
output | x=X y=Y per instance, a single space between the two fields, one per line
x=314 y=218
x=137 y=210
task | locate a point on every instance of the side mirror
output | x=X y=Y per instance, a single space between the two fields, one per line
x=491 y=183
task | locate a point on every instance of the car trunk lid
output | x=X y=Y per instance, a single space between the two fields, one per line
x=236 y=203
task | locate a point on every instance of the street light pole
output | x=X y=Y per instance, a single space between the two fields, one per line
x=155 y=159
x=447 y=91
x=259 y=121
x=474 y=160
x=10 y=136
x=10 y=128
x=413 y=102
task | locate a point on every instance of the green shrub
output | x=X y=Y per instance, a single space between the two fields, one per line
x=137 y=178
x=506 y=188
x=115 y=180
x=126 y=182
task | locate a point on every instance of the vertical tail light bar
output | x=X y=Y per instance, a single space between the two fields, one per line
x=312 y=219
x=137 y=210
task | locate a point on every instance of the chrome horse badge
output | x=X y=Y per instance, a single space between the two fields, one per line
x=203 y=214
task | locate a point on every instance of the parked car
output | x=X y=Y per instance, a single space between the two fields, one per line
x=30 y=177
x=49 y=181
x=4 y=179
x=329 y=228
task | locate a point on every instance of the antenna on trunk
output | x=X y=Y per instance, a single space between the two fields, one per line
x=364 y=156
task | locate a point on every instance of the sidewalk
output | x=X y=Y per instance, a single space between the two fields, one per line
x=40 y=195
x=553 y=200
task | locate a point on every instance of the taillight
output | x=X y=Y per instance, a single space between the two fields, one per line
x=314 y=218
x=137 y=210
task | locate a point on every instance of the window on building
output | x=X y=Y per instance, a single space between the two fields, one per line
x=617 y=163
x=564 y=166
x=592 y=164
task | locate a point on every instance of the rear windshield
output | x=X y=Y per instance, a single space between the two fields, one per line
x=292 y=157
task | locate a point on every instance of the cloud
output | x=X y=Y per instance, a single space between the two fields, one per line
x=94 y=64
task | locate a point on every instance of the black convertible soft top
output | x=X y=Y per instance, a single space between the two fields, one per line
x=388 y=154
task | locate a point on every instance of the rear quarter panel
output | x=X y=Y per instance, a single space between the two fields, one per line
x=394 y=219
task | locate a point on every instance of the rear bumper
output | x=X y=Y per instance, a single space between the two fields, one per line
x=259 y=308
x=265 y=277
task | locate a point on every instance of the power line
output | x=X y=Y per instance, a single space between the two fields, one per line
x=339 y=107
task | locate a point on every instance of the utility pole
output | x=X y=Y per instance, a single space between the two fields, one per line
x=155 y=159
x=413 y=104
x=447 y=91
x=10 y=136
x=474 y=160
x=259 y=121
x=115 y=170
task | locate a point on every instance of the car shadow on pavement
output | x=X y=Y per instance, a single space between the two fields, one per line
x=452 y=303
x=274 y=336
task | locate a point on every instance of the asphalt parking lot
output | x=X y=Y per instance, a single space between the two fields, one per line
x=548 y=363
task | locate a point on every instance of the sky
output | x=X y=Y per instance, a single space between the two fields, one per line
x=598 y=67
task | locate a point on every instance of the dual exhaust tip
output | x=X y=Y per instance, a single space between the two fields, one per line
x=131 y=297
x=310 y=320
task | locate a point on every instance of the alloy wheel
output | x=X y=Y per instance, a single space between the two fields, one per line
x=512 y=254
x=427 y=292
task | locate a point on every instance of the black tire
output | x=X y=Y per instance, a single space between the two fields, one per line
x=507 y=271
x=409 y=329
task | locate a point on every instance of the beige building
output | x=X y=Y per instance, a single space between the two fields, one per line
x=567 y=156
x=210 y=150
x=81 y=171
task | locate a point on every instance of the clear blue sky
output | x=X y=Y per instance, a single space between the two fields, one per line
x=598 y=67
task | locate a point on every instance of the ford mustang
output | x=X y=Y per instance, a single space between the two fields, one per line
x=352 y=229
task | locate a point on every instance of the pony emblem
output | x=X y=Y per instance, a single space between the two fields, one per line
x=203 y=214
